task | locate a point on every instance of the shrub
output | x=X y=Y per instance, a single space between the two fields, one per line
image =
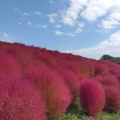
x=92 y=97
x=21 y=53
x=114 y=70
x=108 y=79
x=87 y=67
x=112 y=95
x=52 y=87
x=71 y=81
x=20 y=100
x=47 y=58
x=100 y=67
x=9 y=64
x=118 y=76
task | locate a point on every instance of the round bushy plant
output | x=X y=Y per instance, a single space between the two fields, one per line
x=55 y=92
x=71 y=81
x=9 y=64
x=112 y=95
x=20 y=100
x=92 y=97
x=108 y=79
x=101 y=68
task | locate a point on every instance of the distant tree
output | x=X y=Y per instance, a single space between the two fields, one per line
x=111 y=58
x=107 y=57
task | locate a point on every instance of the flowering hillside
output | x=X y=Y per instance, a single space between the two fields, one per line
x=40 y=84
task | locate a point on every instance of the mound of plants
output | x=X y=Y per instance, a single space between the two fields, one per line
x=41 y=84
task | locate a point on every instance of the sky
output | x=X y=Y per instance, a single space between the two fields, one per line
x=89 y=28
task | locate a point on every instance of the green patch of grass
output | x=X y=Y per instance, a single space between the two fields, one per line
x=109 y=116
x=75 y=113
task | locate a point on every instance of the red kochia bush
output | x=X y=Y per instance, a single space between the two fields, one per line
x=108 y=79
x=100 y=67
x=92 y=97
x=112 y=95
x=21 y=53
x=20 y=100
x=9 y=64
x=52 y=87
x=71 y=81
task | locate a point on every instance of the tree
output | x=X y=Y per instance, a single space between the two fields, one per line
x=111 y=58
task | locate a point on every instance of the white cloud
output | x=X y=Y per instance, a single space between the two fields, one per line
x=53 y=18
x=58 y=26
x=110 y=22
x=110 y=46
x=70 y=15
x=68 y=21
x=78 y=30
x=37 y=13
x=81 y=25
x=96 y=8
x=105 y=12
x=20 y=12
x=5 y=37
x=59 y=33
x=29 y=23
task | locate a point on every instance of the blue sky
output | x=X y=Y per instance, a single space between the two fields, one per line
x=89 y=28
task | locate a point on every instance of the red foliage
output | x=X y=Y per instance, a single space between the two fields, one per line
x=108 y=79
x=21 y=53
x=112 y=95
x=20 y=100
x=52 y=87
x=9 y=64
x=115 y=70
x=118 y=76
x=92 y=97
x=87 y=67
x=4 y=45
x=101 y=68
x=48 y=59
x=71 y=81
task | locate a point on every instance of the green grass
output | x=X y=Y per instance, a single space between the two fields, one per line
x=74 y=113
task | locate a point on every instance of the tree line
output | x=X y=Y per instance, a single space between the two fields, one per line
x=111 y=58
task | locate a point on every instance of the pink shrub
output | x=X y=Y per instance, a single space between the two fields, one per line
x=112 y=95
x=101 y=68
x=71 y=65
x=71 y=81
x=118 y=76
x=4 y=45
x=46 y=57
x=87 y=67
x=108 y=79
x=9 y=64
x=115 y=70
x=92 y=97
x=20 y=100
x=20 y=53
x=52 y=87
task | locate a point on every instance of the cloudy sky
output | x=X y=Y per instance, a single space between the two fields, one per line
x=89 y=28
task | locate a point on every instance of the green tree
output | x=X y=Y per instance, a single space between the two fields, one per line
x=111 y=58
